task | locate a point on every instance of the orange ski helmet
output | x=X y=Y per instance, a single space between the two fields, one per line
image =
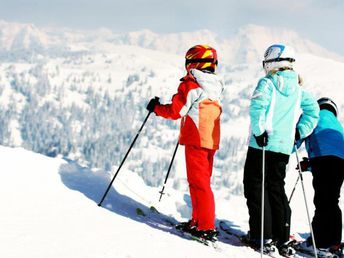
x=201 y=57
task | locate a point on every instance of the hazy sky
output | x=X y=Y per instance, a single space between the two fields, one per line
x=319 y=20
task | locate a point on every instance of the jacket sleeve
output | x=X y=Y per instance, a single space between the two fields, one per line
x=260 y=102
x=188 y=93
x=310 y=115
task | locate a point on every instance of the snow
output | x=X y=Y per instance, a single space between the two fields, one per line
x=50 y=210
x=44 y=217
x=50 y=205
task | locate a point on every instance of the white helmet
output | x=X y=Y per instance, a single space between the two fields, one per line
x=327 y=103
x=278 y=56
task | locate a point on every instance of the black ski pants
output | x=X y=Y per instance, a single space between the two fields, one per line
x=328 y=176
x=277 y=212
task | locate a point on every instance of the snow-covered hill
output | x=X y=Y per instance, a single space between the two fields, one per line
x=82 y=94
x=49 y=209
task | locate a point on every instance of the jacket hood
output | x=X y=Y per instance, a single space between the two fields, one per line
x=286 y=82
x=211 y=83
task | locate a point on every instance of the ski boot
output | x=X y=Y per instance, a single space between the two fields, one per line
x=269 y=246
x=338 y=250
x=187 y=227
x=207 y=235
x=287 y=249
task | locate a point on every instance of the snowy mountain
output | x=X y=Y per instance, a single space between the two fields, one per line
x=82 y=94
x=50 y=210
x=79 y=97
x=14 y=37
x=244 y=47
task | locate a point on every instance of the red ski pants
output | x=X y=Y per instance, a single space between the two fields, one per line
x=199 y=167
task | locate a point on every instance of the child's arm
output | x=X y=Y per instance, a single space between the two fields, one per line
x=259 y=104
x=188 y=93
x=310 y=115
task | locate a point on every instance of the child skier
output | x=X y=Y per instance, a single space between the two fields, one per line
x=274 y=114
x=197 y=102
x=325 y=148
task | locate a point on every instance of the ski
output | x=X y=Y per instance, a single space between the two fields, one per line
x=205 y=242
x=321 y=254
x=335 y=252
x=223 y=226
x=324 y=253
x=153 y=217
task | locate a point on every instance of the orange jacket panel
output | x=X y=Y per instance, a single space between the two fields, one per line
x=200 y=125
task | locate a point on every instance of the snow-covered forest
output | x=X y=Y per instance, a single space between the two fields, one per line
x=81 y=95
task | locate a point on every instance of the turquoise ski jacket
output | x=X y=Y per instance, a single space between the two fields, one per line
x=279 y=105
x=327 y=138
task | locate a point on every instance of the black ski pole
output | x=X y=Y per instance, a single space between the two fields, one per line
x=262 y=204
x=305 y=199
x=292 y=192
x=168 y=172
x=126 y=155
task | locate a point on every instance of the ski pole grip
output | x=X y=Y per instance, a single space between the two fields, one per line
x=152 y=103
x=157 y=99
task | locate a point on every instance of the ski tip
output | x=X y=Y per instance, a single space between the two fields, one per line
x=153 y=209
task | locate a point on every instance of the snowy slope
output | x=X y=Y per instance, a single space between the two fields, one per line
x=49 y=209
x=83 y=95
x=43 y=217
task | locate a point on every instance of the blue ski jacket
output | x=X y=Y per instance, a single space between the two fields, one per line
x=327 y=138
x=279 y=105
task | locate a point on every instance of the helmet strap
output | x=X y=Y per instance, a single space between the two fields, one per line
x=279 y=60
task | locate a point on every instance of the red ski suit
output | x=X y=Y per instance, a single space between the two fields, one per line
x=200 y=133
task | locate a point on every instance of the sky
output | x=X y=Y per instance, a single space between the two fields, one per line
x=318 y=20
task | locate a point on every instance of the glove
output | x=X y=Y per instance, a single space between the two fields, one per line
x=152 y=103
x=262 y=140
x=304 y=163
x=297 y=135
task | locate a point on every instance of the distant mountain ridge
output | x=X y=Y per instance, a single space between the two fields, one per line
x=246 y=46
